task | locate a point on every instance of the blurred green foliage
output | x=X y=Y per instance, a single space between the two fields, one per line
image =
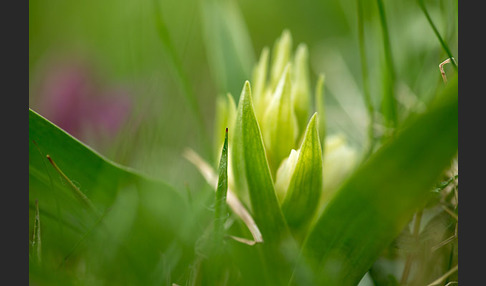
x=177 y=58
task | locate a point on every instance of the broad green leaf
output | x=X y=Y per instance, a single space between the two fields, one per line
x=301 y=86
x=305 y=187
x=69 y=230
x=279 y=124
x=379 y=199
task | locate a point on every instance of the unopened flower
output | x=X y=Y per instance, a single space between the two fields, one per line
x=339 y=160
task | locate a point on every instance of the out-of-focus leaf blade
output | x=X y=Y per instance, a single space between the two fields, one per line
x=305 y=186
x=389 y=102
x=259 y=80
x=65 y=219
x=378 y=200
x=228 y=44
x=281 y=54
x=301 y=88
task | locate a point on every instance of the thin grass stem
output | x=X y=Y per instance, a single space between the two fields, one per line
x=389 y=101
x=436 y=32
x=441 y=279
x=365 y=76
x=36 y=241
x=182 y=77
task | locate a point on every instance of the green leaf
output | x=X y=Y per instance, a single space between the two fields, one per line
x=305 y=186
x=36 y=241
x=252 y=171
x=181 y=77
x=220 y=209
x=436 y=32
x=225 y=118
x=67 y=226
x=228 y=44
x=379 y=199
x=389 y=102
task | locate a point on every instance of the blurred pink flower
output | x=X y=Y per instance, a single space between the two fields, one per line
x=71 y=96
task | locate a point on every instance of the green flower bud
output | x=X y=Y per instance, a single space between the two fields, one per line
x=284 y=174
x=301 y=86
x=260 y=91
x=281 y=54
x=279 y=124
x=339 y=160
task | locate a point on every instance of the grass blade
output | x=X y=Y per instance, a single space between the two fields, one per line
x=228 y=44
x=379 y=199
x=389 y=105
x=181 y=77
x=436 y=32
x=220 y=209
x=233 y=201
x=213 y=258
x=365 y=78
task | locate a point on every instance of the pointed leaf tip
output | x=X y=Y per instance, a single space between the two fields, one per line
x=305 y=185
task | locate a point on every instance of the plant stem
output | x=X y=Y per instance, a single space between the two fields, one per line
x=389 y=101
x=444 y=45
x=364 y=72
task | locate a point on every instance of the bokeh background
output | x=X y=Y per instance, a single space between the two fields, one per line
x=138 y=80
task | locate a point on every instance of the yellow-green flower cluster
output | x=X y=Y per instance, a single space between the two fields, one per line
x=282 y=99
